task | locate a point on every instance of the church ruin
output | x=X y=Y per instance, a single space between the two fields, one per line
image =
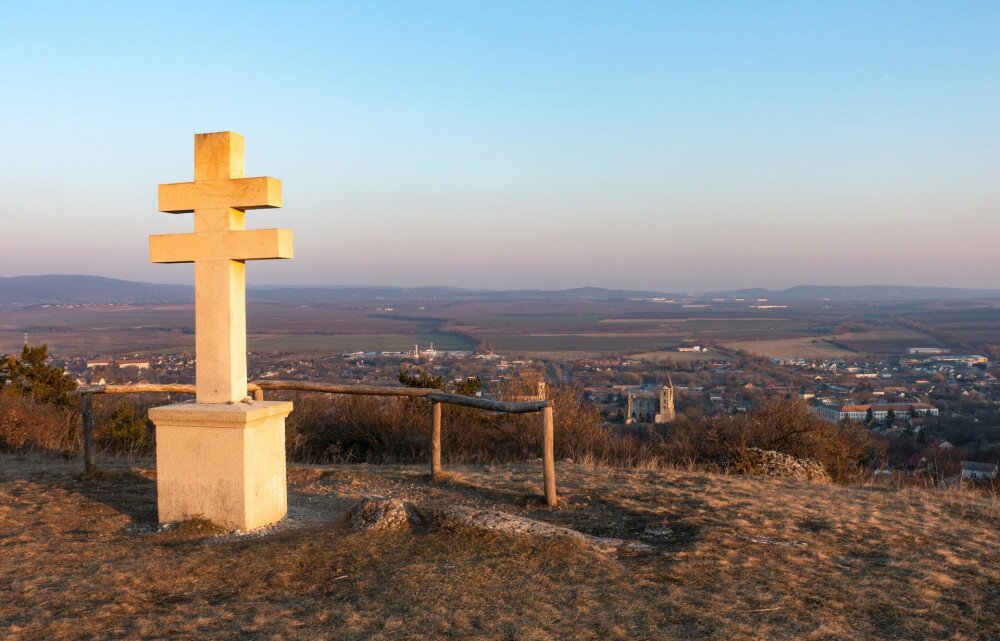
x=653 y=406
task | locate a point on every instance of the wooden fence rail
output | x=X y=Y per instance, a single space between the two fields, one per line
x=437 y=398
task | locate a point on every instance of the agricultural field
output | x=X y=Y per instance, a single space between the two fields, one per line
x=582 y=344
x=847 y=345
x=808 y=348
x=119 y=329
x=680 y=357
x=885 y=341
x=971 y=322
x=335 y=343
x=555 y=329
x=581 y=329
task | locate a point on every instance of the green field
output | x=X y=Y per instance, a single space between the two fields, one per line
x=339 y=343
x=596 y=344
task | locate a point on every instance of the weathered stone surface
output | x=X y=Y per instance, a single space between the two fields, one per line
x=380 y=515
x=757 y=462
x=496 y=521
x=221 y=460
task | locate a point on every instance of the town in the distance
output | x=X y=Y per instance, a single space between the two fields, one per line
x=917 y=367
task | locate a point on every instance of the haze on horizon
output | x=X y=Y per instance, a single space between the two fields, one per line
x=655 y=146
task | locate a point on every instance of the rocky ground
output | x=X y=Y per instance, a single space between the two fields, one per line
x=716 y=557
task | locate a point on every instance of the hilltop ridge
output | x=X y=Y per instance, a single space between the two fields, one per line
x=725 y=557
x=82 y=289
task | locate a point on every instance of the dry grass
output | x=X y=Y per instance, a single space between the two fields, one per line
x=733 y=558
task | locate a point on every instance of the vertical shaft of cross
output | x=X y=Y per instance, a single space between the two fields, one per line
x=220 y=331
x=220 y=292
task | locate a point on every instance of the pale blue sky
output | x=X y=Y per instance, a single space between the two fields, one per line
x=656 y=145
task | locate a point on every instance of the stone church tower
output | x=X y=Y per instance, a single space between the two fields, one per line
x=666 y=413
x=648 y=407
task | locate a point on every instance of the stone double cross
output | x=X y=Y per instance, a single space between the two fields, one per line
x=219 y=247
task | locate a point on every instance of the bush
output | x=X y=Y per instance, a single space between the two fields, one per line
x=125 y=430
x=788 y=427
x=31 y=375
x=331 y=428
x=27 y=426
x=351 y=429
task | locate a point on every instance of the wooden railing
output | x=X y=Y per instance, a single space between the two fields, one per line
x=437 y=398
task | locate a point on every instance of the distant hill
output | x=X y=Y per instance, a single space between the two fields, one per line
x=414 y=294
x=863 y=292
x=33 y=290
x=20 y=291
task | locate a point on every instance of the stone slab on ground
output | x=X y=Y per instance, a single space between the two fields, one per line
x=386 y=514
x=497 y=521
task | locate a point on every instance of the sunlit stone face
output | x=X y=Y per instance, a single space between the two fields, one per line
x=219 y=247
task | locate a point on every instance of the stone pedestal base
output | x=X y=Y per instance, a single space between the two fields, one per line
x=221 y=462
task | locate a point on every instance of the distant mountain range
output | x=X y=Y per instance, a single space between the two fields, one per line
x=19 y=291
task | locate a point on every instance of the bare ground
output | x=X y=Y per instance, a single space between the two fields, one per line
x=731 y=558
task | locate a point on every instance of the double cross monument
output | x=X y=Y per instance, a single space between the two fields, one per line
x=221 y=458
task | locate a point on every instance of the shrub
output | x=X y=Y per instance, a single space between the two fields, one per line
x=125 y=430
x=331 y=428
x=350 y=429
x=31 y=375
x=334 y=428
x=25 y=425
x=788 y=427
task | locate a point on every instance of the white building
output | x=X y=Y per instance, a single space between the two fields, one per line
x=859 y=412
x=974 y=470
x=964 y=359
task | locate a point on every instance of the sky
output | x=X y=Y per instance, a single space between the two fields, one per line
x=644 y=145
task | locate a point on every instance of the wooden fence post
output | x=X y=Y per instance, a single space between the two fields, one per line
x=549 y=456
x=435 y=439
x=87 y=417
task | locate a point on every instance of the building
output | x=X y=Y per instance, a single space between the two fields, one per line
x=99 y=362
x=962 y=359
x=427 y=354
x=655 y=406
x=859 y=412
x=138 y=363
x=926 y=350
x=974 y=471
x=540 y=394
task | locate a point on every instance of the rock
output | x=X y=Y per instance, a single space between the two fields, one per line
x=496 y=521
x=380 y=515
x=757 y=462
x=388 y=515
x=659 y=533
